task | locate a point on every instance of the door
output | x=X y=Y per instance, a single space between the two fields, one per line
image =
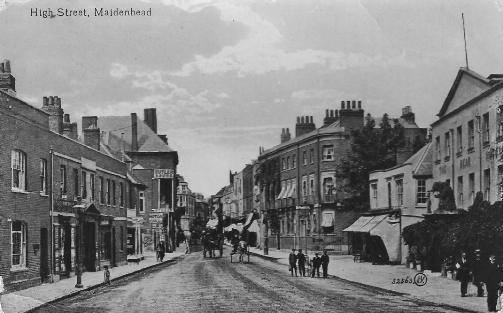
x=89 y=242
x=67 y=250
x=113 y=260
x=44 y=253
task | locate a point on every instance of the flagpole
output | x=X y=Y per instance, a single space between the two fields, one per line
x=464 y=37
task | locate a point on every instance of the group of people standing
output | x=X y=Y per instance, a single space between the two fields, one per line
x=481 y=273
x=299 y=260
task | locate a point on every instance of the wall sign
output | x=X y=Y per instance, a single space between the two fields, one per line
x=164 y=173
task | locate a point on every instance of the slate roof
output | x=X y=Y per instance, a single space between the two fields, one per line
x=118 y=134
x=421 y=162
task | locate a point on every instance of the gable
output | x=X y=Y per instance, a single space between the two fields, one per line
x=466 y=86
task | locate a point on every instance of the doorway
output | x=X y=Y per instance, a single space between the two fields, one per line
x=89 y=243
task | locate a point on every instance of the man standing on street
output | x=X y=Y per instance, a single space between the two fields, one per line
x=324 y=263
x=292 y=259
x=316 y=265
x=302 y=263
x=493 y=278
x=463 y=273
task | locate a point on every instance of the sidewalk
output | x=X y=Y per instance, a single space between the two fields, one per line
x=27 y=299
x=440 y=290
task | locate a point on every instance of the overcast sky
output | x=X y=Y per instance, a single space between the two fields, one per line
x=226 y=76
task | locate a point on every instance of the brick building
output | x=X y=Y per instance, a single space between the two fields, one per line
x=153 y=163
x=52 y=178
x=298 y=178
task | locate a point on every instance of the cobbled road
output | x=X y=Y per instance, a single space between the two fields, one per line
x=196 y=284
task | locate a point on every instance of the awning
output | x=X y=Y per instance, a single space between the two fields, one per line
x=287 y=190
x=372 y=223
x=283 y=190
x=290 y=190
x=358 y=224
x=327 y=220
x=389 y=231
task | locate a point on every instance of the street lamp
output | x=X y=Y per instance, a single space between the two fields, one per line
x=265 y=221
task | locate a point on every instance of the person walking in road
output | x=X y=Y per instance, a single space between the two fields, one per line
x=316 y=265
x=324 y=263
x=478 y=273
x=463 y=273
x=161 y=251
x=492 y=277
x=106 y=275
x=292 y=259
x=302 y=263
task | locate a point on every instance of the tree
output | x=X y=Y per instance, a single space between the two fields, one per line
x=371 y=149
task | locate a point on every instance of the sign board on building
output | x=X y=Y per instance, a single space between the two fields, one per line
x=164 y=173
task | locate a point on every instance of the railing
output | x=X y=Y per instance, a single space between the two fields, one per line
x=330 y=242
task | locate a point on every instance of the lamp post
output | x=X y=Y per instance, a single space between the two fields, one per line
x=78 y=265
x=265 y=221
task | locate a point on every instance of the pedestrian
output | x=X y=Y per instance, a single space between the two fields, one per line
x=158 y=251
x=292 y=260
x=324 y=263
x=463 y=273
x=478 y=273
x=492 y=278
x=161 y=251
x=106 y=275
x=302 y=263
x=316 y=263
x=187 y=246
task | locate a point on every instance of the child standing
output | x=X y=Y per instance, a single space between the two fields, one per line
x=106 y=275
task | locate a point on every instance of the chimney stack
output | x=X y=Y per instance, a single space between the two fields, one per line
x=305 y=126
x=150 y=118
x=7 y=81
x=91 y=132
x=285 y=135
x=351 y=115
x=330 y=117
x=69 y=128
x=52 y=106
x=134 y=132
x=408 y=115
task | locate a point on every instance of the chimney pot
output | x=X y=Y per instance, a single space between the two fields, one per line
x=51 y=100
x=336 y=113
x=150 y=118
x=302 y=119
x=326 y=113
x=342 y=105
x=359 y=104
x=307 y=119
x=1 y=68
x=57 y=101
x=331 y=113
x=45 y=101
x=66 y=118
x=7 y=66
x=354 y=104
x=311 y=119
x=298 y=119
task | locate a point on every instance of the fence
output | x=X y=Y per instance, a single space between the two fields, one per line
x=332 y=243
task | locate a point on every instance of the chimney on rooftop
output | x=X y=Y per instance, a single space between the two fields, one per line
x=7 y=81
x=134 y=132
x=285 y=135
x=150 y=118
x=52 y=106
x=351 y=114
x=91 y=132
x=304 y=126
x=408 y=115
x=330 y=117
x=69 y=128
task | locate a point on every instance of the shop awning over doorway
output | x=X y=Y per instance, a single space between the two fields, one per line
x=358 y=224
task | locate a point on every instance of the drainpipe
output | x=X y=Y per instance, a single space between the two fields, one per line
x=479 y=130
x=51 y=204
x=453 y=176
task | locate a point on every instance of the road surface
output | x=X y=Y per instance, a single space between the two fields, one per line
x=195 y=284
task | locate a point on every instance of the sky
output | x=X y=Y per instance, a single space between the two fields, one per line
x=227 y=75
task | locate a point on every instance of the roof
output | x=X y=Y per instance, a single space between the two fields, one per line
x=421 y=162
x=332 y=128
x=118 y=129
x=452 y=91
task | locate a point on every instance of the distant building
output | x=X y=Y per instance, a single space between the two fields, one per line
x=398 y=198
